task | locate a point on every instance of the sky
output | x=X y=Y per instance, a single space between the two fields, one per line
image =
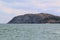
x=12 y=8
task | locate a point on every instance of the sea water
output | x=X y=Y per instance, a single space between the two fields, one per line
x=29 y=31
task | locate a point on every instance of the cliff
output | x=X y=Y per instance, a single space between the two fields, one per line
x=35 y=18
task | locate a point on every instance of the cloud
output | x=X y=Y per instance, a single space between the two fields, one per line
x=14 y=11
x=38 y=4
x=44 y=5
x=58 y=10
x=9 y=10
x=29 y=3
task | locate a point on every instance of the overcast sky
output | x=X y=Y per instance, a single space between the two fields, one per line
x=11 y=8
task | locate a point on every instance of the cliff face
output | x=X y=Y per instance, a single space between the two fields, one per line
x=35 y=18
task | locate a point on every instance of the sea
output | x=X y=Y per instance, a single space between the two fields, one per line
x=29 y=31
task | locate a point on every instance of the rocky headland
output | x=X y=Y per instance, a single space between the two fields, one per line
x=35 y=19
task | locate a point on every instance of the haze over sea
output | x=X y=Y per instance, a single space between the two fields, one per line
x=29 y=31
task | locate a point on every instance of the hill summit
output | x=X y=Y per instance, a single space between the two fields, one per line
x=35 y=18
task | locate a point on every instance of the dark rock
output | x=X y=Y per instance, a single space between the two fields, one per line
x=35 y=18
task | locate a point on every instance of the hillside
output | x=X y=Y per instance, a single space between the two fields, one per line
x=35 y=18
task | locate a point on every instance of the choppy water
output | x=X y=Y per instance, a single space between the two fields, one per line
x=29 y=31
